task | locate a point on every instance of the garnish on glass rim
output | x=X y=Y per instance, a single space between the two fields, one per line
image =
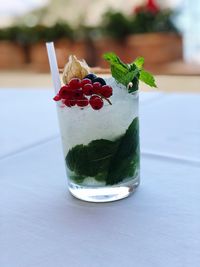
x=129 y=74
x=81 y=87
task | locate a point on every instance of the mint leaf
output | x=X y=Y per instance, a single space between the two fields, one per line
x=126 y=160
x=92 y=159
x=114 y=59
x=147 y=78
x=120 y=74
x=139 y=62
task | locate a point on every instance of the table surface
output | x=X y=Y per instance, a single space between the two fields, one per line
x=42 y=225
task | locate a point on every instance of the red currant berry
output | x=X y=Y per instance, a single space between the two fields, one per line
x=96 y=102
x=72 y=102
x=77 y=93
x=106 y=91
x=75 y=83
x=82 y=102
x=88 y=89
x=85 y=81
x=64 y=92
x=69 y=102
x=57 y=98
x=97 y=87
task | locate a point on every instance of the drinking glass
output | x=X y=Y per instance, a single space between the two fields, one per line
x=101 y=147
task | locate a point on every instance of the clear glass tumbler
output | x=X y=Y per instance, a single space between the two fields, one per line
x=101 y=147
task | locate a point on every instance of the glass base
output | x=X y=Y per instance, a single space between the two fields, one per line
x=104 y=194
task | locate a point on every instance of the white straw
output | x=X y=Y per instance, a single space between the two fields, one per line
x=53 y=66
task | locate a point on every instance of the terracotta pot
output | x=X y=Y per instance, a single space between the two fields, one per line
x=109 y=45
x=63 y=50
x=156 y=48
x=82 y=49
x=79 y=49
x=38 y=57
x=65 y=47
x=12 y=55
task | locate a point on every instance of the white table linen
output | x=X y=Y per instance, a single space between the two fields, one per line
x=42 y=225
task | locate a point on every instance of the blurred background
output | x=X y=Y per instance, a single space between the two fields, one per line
x=165 y=32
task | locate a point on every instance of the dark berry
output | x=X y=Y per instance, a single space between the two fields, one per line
x=82 y=102
x=85 y=81
x=75 y=83
x=57 y=98
x=77 y=93
x=88 y=89
x=91 y=76
x=96 y=102
x=106 y=91
x=64 y=92
x=100 y=80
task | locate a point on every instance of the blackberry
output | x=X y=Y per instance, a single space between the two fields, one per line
x=90 y=76
x=100 y=80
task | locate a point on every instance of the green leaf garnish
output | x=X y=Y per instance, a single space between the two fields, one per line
x=139 y=62
x=114 y=59
x=129 y=73
x=148 y=78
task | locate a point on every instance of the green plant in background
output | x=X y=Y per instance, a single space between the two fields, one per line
x=116 y=25
x=84 y=32
x=150 y=18
x=58 y=31
x=164 y=22
x=41 y=33
x=145 y=19
x=9 y=33
x=27 y=35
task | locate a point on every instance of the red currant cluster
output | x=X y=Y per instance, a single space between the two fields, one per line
x=91 y=90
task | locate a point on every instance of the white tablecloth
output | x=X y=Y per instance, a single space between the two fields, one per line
x=42 y=225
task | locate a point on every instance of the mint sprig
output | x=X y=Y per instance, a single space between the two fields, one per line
x=129 y=74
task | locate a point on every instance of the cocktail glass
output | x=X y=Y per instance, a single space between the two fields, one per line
x=101 y=147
